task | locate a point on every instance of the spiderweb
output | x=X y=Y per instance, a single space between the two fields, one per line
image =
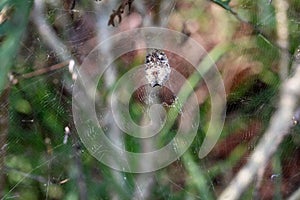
x=45 y=158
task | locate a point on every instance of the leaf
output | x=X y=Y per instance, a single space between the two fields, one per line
x=204 y=66
x=223 y=3
x=13 y=28
x=118 y=13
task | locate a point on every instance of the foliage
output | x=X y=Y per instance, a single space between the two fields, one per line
x=44 y=161
x=13 y=25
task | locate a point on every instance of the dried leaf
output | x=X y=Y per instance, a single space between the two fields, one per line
x=118 y=13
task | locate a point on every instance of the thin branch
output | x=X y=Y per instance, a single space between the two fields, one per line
x=80 y=177
x=143 y=186
x=53 y=42
x=281 y=8
x=47 y=33
x=295 y=195
x=38 y=178
x=118 y=13
x=281 y=121
x=110 y=77
x=255 y=28
x=14 y=79
x=44 y=70
x=144 y=182
x=4 y=125
x=279 y=127
x=259 y=179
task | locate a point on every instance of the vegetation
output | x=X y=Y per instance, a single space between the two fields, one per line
x=42 y=45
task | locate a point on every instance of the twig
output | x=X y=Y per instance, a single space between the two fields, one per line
x=47 y=33
x=259 y=179
x=143 y=186
x=144 y=182
x=80 y=178
x=110 y=77
x=50 y=38
x=14 y=79
x=4 y=123
x=278 y=129
x=295 y=195
x=38 y=72
x=44 y=70
x=281 y=7
x=38 y=178
x=118 y=13
x=256 y=30
x=53 y=42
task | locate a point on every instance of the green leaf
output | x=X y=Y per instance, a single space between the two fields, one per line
x=206 y=64
x=197 y=177
x=12 y=29
x=223 y=3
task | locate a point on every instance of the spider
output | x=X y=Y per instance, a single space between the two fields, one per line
x=157 y=68
x=157 y=72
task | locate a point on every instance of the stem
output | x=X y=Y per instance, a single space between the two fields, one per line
x=277 y=131
x=4 y=126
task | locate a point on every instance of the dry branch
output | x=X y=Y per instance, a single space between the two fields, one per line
x=256 y=30
x=53 y=42
x=47 y=33
x=281 y=8
x=118 y=13
x=279 y=127
x=295 y=195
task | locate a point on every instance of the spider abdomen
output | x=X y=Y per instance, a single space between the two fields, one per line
x=157 y=68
